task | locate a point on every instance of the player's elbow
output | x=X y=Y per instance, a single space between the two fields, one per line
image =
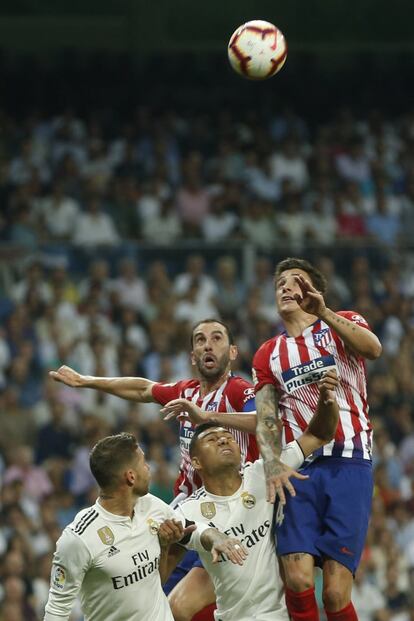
x=374 y=351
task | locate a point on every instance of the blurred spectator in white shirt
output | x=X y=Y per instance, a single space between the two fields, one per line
x=259 y=179
x=163 y=227
x=95 y=227
x=220 y=223
x=292 y=223
x=195 y=276
x=353 y=164
x=58 y=213
x=129 y=288
x=258 y=225
x=321 y=226
x=290 y=164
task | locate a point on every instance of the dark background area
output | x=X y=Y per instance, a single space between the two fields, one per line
x=115 y=55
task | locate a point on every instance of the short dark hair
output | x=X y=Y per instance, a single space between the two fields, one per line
x=198 y=431
x=110 y=455
x=291 y=263
x=209 y=320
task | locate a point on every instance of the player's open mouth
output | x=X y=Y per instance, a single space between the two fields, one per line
x=209 y=361
x=226 y=451
x=288 y=298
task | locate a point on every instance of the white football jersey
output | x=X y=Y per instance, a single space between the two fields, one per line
x=254 y=591
x=113 y=562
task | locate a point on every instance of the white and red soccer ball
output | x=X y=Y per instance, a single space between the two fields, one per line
x=257 y=50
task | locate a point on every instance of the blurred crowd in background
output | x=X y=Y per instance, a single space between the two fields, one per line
x=117 y=237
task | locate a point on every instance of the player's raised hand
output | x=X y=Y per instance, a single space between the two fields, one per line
x=277 y=478
x=172 y=531
x=182 y=409
x=327 y=387
x=310 y=299
x=68 y=376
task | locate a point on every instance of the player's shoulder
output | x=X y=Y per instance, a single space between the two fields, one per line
x=195 y=498
x=238 y=384
x=253 y=469
x=267 y=347
x=238 y=391
x=188 y=383
x=83 y=521
x=149 y=503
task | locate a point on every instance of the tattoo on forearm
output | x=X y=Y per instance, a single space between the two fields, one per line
x=341 y=322
x=267 y=430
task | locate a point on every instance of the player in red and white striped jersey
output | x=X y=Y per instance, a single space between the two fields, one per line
x=234 y=394
x=221 y=397
x=326 y=521
x=294 y=365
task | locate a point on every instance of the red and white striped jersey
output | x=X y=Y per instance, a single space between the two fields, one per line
x=234 y=395
x=295 y=365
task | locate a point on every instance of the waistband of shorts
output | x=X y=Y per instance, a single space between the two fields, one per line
x=339 y=461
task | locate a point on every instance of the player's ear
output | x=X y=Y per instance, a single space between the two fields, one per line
x=193 y=363
x=195 y=462
x=129 y=476
x=234 y=352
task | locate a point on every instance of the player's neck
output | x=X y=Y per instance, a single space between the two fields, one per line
x=295 y=323
x=224 y=483
x=207 y=385
x=118 y=504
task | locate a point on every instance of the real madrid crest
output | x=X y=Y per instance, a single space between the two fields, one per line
x=153 y=526
x=208 y=509
x=248 y=500
x=106 y=535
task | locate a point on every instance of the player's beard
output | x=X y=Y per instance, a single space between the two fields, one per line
x=216 y=372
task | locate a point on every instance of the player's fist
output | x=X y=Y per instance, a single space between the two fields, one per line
x=172 y=531
x=68 y=376
x=327 y=386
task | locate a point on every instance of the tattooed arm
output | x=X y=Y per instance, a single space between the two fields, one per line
x=268 y=436
x=360 y=340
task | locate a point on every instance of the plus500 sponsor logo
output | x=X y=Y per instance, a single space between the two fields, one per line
x=307 y=373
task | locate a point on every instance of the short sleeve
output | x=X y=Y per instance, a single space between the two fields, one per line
x=261 y=371
x=163 y=393
x=241 y=395
x=356 y=318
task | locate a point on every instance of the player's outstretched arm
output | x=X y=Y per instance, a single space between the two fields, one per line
x=277 y=473
x=360 y=340
x=131 y=388
x=322 y=427
x=182 y=409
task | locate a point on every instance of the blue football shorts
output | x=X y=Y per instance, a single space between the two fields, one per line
x=329 y=515
x=189 y=560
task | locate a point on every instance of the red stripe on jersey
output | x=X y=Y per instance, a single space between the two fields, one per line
x=302 y=349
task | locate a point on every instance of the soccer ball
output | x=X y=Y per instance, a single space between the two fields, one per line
x=257 y=50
